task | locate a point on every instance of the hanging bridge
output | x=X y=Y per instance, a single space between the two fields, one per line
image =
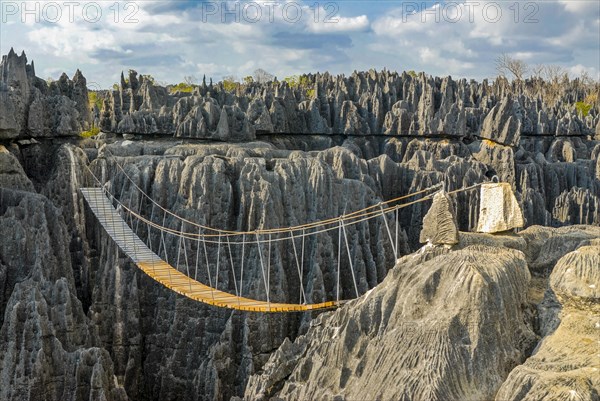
x=182 y=276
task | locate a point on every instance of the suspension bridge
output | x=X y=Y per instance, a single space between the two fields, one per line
x=181 y=274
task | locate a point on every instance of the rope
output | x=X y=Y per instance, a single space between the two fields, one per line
x=349 y=258
x=242 y=272
x=339 y=255
x=359 y=214
x=302 y=266
x=272 y=231
x=179 y=249
x=187 y=266
x=218 y=262
x=397 y=225
x=208 y=268
x=302 y=294
x=197 y=260
x=269 y=269
x=262 y=266
x=387 y=227
x=232 y=267
x=339 y=223
x=358 y=219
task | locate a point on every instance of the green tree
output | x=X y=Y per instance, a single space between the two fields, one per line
x=230 y=83
x=94 y=100
x=182 y=87
x=583 y=108
x=292 y=80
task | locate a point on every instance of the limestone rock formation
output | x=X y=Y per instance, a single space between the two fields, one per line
x=12 y=175
x=365 y=103
x=427 y=332
x=79 y=321
x=503 y=123
x=499 y=209
x=48 y=350
x=565 y=364
x=29 y=106
x=439 y=224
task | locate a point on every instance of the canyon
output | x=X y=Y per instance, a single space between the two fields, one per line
x=511 y=316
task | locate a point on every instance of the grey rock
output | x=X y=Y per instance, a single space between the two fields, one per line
x=29 y=106
x=546 y=245
x=403 y=325
x=565 y=364
x=12 y=175
x=48 y=350
x=503 y=123
x=233 y=125
x=439 y=224
x=578 y=205
x=576 y=278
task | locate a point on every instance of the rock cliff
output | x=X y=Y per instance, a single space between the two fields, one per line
x=79 y=321
x=32 y=107
x=451 y=325
x=364 y=103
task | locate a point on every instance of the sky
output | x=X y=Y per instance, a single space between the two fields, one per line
x=174 y=39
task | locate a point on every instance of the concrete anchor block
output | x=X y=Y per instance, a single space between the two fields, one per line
x=498 y=209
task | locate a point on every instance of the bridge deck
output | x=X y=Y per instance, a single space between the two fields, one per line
x=151 y=264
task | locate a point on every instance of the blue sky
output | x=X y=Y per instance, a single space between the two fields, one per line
x=173 y=39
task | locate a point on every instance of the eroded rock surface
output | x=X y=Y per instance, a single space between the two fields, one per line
x=364 y=103
x=565 y=364
x=31 y=107
x=48 y=348
x=79 y=320
x=439 y=224
x=442 y=326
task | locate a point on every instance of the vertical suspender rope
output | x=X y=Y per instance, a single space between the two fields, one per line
x=130 y=208
x=197 y=256
x=269 y=270
x=160 y=240
x=302 y=266
x=242 y=269
x=218 y=262
x=212 y=292
x=349 y=258
x=339 y=258
x=137 y=221
x=262 y=265
x=187 y=265
x=232 y=267
x=302 y=294
x=152 y=256
x=149 y=240
x=179 y=248
x=387 y=227
x=397 y=251
x=162 y=236
x=133 y=240
x=233 y=271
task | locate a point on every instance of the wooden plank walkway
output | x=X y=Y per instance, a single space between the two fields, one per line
x=151 y=264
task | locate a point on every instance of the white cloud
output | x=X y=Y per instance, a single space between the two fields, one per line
x=170 y=41
x=581 y=6
x=578 y=70
x=340 y=24
x=69 y=42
